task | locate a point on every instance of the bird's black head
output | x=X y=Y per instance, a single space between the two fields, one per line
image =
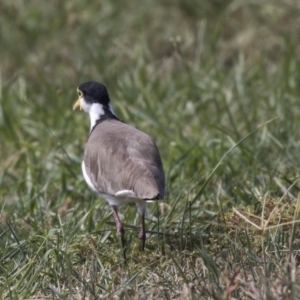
x=93 y=92
x=94 y=100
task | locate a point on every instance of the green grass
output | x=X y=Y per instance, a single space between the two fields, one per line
x=216 y=84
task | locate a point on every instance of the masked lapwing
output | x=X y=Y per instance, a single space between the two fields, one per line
x=121 y=163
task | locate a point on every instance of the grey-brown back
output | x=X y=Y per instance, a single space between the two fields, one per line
x=119 y=157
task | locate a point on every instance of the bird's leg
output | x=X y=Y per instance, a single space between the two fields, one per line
x=120 y=230
x=142 y=234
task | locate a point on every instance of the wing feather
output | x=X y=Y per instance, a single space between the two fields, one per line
x=120 y=157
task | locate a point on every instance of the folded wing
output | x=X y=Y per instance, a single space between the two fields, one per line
x=120 y=157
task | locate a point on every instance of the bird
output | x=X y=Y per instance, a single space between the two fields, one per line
x=120 y=163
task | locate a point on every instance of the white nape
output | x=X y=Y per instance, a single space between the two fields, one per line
x=95 y=110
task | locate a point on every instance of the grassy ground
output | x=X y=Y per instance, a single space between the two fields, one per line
x=216 y=84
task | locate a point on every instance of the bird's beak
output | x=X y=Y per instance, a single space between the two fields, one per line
x=77 y=104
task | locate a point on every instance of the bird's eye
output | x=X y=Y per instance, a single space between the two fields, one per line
x=80 y=93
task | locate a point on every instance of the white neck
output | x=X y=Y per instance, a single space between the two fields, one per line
x=96 y=111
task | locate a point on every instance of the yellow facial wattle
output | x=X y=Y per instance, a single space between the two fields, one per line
x=78 y=103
